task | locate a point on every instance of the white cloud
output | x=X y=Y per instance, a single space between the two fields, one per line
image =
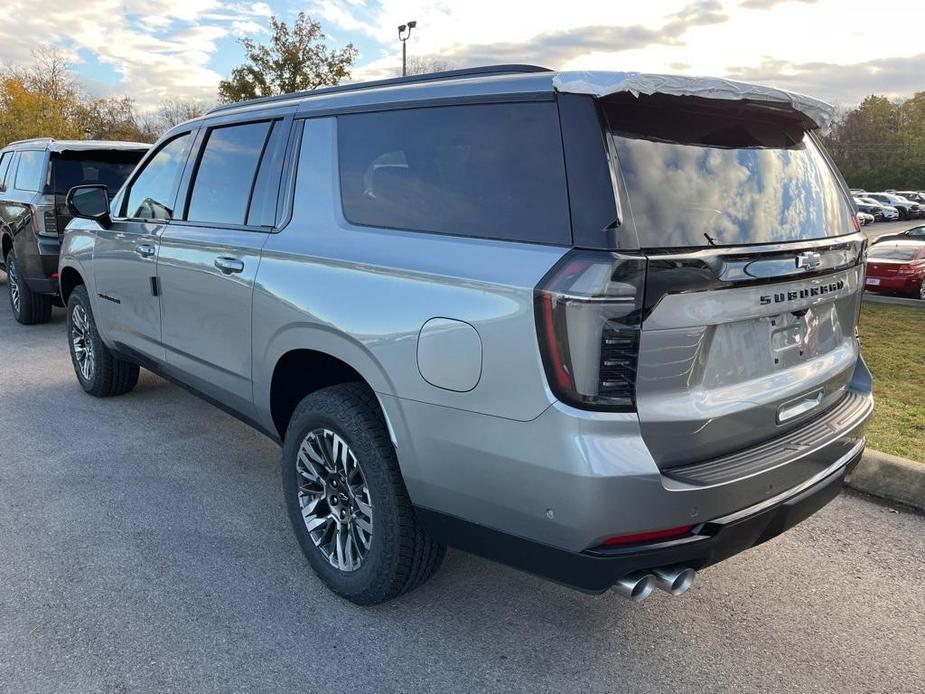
x=166 y=48
x=159 y=48
x=246 y=27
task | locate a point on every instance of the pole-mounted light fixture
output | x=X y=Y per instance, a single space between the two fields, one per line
x=404 y=32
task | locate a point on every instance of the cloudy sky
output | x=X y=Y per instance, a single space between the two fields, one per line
x=840 y=50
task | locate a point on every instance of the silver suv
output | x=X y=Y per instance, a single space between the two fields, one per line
x=601 y=334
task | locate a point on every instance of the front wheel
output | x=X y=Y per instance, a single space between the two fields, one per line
x=99 y=372
x=29 y=307
x=347 y=501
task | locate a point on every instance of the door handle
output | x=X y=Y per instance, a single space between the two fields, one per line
x=229 y=265
x=145 y=250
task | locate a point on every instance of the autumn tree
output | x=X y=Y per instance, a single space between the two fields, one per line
x=296 y=59
x=881 y=143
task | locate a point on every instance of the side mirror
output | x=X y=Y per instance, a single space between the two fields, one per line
x=90 y=202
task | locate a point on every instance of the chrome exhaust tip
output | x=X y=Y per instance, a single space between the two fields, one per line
x=674 y=579
x=636 y=586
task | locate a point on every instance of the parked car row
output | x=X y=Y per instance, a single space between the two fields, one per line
x=888 y=206
x=462 y=333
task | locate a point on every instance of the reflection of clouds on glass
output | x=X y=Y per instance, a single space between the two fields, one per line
x=681 y=195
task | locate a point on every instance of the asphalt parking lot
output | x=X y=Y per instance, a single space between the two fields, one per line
x=880 y=228
x=144 y=547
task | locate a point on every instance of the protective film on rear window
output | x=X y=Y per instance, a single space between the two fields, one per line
x=698 y=178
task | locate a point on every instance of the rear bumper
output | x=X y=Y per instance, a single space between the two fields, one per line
x=38 y=261
x=597 y=570
x=544 y=495
x=894 y=285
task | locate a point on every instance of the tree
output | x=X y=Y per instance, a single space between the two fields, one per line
x=175 y=111
x=296 y=59
x=417 y=65
x=881 y=143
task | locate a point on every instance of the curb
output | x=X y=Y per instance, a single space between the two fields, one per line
x=890 y=477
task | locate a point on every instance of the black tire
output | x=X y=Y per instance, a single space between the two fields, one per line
x=108 y=375
x=401 y=556
x=29 y=308
x=921 y=290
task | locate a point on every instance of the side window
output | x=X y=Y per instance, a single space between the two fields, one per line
x=150 y=195
x=262 y=210
x=5 y=165
x=225 y=176
x=491 y=171
x=30 y=176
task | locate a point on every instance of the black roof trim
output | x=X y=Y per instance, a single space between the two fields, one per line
x=410 y=79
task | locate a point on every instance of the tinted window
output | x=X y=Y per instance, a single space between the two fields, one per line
x=713 y=178
x=5 y=161
x=493 y=171
x=151 y=194
x=262 y=210
x=89 y=168
x=225 y=177
x=31 y=172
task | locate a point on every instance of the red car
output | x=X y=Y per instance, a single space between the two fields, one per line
x=897 y=267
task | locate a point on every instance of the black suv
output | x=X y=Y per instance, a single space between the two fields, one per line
x=35 y=176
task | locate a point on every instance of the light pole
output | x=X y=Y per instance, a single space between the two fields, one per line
x=404 y=32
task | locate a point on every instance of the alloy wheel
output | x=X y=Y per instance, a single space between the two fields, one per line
x=922 y=290
x=14 y=287
x=81 y=342
x=334 y=499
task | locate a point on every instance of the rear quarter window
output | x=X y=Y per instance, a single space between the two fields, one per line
x=30 y=176
x=490 y=171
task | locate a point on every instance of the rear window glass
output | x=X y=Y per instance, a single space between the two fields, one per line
x=491 y=171
x=700 y=176
x=894 y=252
x=93 y=168
x=30 y=175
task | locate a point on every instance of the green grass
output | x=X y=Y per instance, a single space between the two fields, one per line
x=893 y=344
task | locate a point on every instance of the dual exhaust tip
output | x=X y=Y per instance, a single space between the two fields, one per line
x=639 y=585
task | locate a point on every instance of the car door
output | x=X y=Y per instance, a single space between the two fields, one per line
x=208 y=259
x=125 y=254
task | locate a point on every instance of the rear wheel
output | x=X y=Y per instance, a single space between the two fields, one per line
x=99 y=371
x=347 y=501
x=29 y=308
x=922 y=289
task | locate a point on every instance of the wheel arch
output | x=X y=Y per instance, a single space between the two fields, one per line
x=6 y=244
x=306 y=359
x=69 y=279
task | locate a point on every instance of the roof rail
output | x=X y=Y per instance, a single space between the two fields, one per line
x=410 y=79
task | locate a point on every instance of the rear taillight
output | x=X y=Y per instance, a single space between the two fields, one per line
x=588 y=314
x=905 y=270
x=44 y=222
